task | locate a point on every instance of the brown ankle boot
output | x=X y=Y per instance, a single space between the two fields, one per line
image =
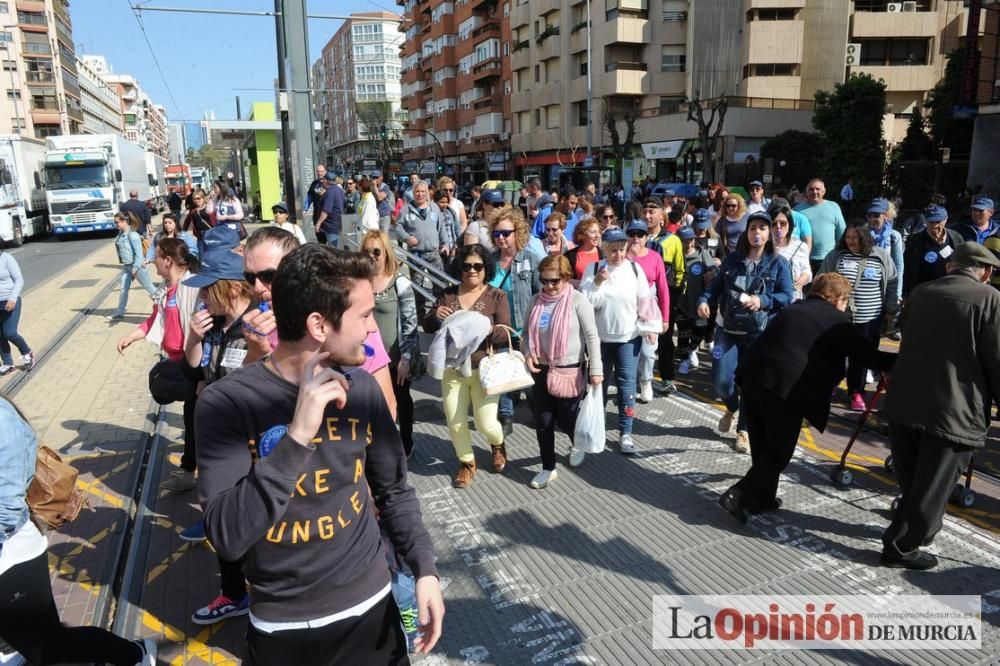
x=499 y=458
x=466 y=472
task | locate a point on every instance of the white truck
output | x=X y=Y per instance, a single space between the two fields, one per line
x=23 y=211
x=200 y=177
x=87 y=177
x=155 y=166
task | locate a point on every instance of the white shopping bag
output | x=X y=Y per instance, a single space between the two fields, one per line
x=589 y=435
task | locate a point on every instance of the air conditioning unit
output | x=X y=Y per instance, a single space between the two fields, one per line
x=909 y=6
x=3 y=46
x=853 y=55
x=505 y=136
x=894 y=7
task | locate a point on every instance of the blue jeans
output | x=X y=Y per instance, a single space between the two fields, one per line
x=9 y=334
x=725 y=358
x=622 y=358
x=333 y=240
x=126 y=283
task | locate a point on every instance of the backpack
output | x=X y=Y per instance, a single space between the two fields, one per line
x=53 y=497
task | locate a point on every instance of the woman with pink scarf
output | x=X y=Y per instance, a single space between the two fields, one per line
x=560 y=328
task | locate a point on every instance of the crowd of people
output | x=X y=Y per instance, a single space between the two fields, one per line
x=283 y=347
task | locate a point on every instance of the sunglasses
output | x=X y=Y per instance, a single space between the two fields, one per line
x=552 y=230
x=265 y=276
x=502 y=233
x=474 y=268
x=636 y=234
x=350 y=182
x=732 y=205
x=374 y=252
x=550 y=282
x=449 y=189
x=607 y=217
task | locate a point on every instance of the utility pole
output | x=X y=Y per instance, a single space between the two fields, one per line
x=239 y=153
x=590 y=90
x=286 y=144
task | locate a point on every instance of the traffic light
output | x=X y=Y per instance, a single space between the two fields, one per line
x=382 y=133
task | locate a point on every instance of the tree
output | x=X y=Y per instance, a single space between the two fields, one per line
x=947 y=130
x=709 y=129
x=380 y=126
x=916 y=145
x=794 y=146
x=614 y=112
x=215 y=160
x=850 y=122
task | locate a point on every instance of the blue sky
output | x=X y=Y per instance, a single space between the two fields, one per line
x=205 y=58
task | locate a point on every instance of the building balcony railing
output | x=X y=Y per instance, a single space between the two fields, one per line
x=487 y=69
x=627 y=66
x=490 y=28
x=734 y=102
x=39 y=77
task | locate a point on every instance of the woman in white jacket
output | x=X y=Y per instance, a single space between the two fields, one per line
x=367 y=207
x=615 y=286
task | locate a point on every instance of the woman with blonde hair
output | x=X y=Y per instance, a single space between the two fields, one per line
x=396 y=317
x=555 y=240
x=517 y=276
x=560 y=337
x=732 y=221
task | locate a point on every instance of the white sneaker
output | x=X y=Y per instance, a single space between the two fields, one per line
x=6 y=369
x=684 y=367
x=693 y=359
x=543 y=478
x=576 y=457
x=627 y=446
x=742 y=443
x=869 y=379
x=710 y=346
x=645 y=392
x=179 y=481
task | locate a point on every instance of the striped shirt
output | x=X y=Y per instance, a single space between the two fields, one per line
x=866 y=293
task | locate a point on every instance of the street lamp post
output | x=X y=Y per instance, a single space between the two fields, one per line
x=440 y=148
x=590 y=89
x=13 y=86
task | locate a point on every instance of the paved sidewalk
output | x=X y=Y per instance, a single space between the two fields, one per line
x=566 y=575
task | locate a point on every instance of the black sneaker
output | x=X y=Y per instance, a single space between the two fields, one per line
x=730 y=501
x=507 y=422
x=920 y=561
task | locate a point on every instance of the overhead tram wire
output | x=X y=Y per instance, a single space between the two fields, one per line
x=156 y=61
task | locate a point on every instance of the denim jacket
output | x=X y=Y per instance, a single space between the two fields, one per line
x=129 y=247
x=776 y=289
x=18 y=448
x=524 y=274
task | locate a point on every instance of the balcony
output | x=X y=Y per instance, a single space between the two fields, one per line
x=520 y=101
x=898 y=78
x=520 y=16
x=33 y=49
x=578 y=40
x=39 y=77
x=521 y=58
x=896 y=24
x=34 y=6
x=550 y=48
x=45 y=117
x=625 y=78
x=486 y=70
x=491 y=104
x=476 y=4
x=489 y=29
x=625 y=29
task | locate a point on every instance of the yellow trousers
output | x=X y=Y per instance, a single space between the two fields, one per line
x=457 y=393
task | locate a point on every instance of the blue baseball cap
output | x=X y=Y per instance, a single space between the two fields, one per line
x=756 y=183
x=685 y=233
x=217 y=264
x=280 y=206
x=637 y=225
x=703 y=215
x=670 y=193
x=613 y=235
x=493 y=197
x=878 y=207
x=759 y=215
x=376 y=174
x=982 y=203
x=221 y=237
x=935 y=213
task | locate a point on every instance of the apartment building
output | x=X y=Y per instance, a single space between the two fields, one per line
x=99 y=101
x=42 y=89
x=145 y=123
x=986 y=94
x=358 y=90
x=769 y=58
x=457 y=88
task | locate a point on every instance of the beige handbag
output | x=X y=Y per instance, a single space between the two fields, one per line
x=504 y=372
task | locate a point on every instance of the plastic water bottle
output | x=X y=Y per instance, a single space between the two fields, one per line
x=206 y=344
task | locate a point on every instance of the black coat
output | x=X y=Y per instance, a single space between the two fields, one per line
x=140 y=210
x=801 y=354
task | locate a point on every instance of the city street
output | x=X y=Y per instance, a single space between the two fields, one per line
x=560 y=576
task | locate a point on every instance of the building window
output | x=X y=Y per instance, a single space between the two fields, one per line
x=771 y=69
x=894 y=52
x=883 y=5
x=538 y=74
x=672 y=59
x=10 y=65
x=6 y=37
x=42 y=131
x=13 y=94
x=18 y=123
x=31 y=18
x=538 y=117
x=612 y=8
x=777 y=14
x=580 y=113
x=4 y=8
x=671 y=103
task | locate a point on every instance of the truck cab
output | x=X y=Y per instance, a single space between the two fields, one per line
x=82 y=191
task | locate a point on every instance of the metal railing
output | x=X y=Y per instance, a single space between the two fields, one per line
x=420 y=271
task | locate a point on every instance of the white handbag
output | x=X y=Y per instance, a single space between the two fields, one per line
x=504 y=372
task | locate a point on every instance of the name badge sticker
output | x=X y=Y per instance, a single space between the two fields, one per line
x=234 y=358
x=946 y=252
